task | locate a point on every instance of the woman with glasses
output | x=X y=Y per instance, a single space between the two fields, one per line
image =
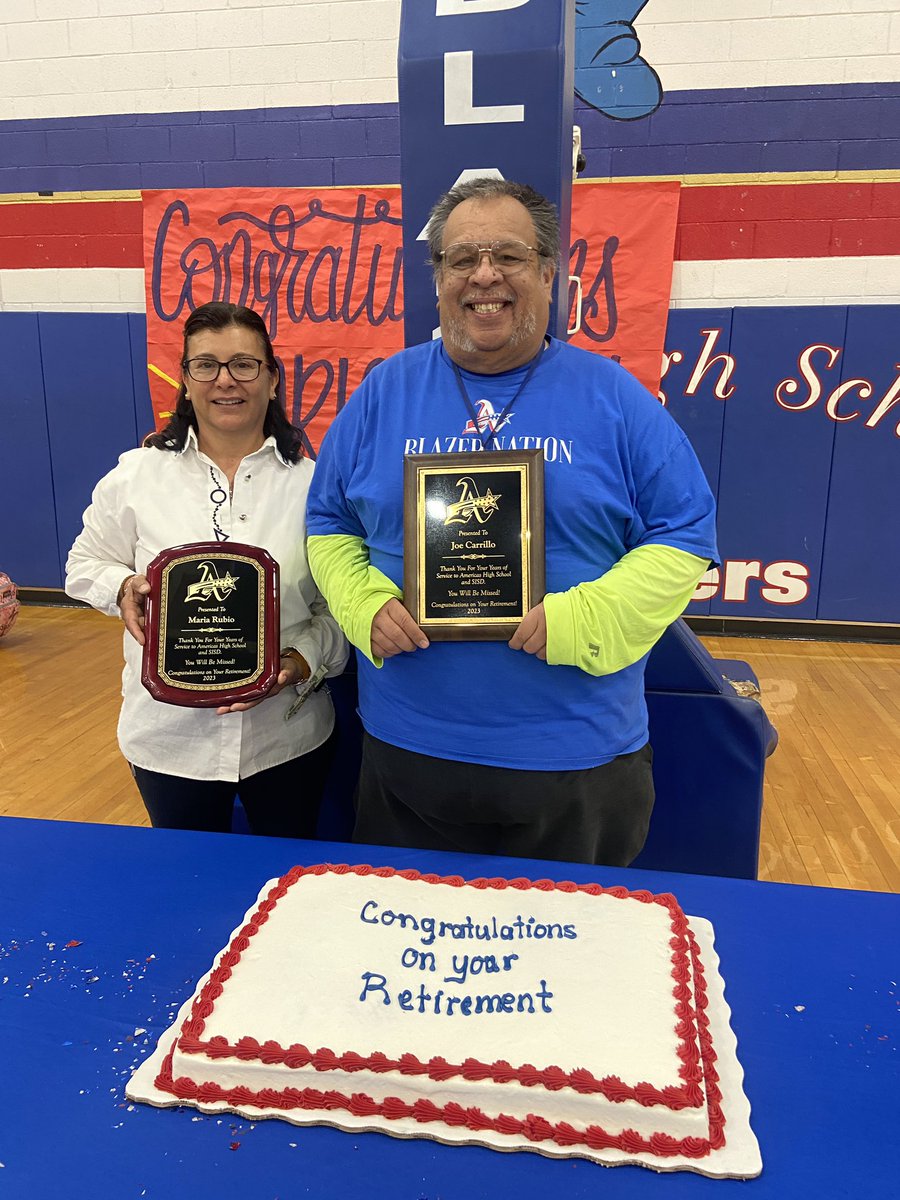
x=227 y=467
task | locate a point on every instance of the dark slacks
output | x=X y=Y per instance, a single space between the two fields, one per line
x=597 y=815
x=281 y=801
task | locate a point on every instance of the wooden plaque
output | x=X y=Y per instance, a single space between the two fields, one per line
x=473 y=542
x=211 y=628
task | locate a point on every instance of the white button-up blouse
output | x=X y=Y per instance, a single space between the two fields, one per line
x=155 y=499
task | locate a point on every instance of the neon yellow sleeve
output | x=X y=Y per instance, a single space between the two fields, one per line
x=354 y=589
x=609 y=623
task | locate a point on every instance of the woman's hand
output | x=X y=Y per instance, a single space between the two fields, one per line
x=290 y=675
x=132 y=597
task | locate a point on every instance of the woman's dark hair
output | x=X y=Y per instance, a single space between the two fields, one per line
x=217 y=315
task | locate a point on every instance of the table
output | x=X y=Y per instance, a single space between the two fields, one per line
x=104 y=930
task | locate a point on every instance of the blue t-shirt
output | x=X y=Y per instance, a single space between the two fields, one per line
x=618 y=473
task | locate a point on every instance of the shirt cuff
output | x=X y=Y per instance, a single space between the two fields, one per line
x=607 y=624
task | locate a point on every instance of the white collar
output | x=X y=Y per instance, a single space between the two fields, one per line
x=192 y=441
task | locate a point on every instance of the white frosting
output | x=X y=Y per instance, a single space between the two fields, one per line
x=318 y=971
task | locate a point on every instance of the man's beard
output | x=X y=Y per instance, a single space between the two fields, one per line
x=457 y=336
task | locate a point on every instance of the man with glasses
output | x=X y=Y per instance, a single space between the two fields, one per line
x=537 y=747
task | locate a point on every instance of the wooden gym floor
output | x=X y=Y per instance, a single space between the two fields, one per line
x=832 y=796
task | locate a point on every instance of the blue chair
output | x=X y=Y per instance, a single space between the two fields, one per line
x=711 y=738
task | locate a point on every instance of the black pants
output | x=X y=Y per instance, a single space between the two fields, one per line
x=598 y=815
x=282 y=801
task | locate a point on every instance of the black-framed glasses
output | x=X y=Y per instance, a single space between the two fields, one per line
x=242 y=368
x=506 y=257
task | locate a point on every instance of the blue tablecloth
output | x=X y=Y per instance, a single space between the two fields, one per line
x=104 y=931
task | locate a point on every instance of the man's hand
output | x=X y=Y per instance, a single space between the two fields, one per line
x=135 y=591
x=395 y=632
x=531 y=636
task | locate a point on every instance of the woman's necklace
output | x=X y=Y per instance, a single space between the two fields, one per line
x=218 y=496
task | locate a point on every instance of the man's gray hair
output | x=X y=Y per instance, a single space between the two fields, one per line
x=485 y=187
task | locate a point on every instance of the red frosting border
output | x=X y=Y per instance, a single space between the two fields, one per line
x=693 y=1027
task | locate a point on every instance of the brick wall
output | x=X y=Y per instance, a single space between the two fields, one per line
x=88 y=57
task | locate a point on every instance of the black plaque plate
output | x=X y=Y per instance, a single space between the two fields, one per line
x=473 y=542
x=212 y=633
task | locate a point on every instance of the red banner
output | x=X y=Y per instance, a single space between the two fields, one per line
x=323 y=268
x=623 y=245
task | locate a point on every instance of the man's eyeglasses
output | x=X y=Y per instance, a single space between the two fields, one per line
x=506 y=257
x=241 y=368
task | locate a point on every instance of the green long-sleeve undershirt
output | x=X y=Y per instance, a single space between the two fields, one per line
x=354 y=589
x=600 y=626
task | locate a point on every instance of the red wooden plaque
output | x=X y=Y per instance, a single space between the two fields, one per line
x=212 y=627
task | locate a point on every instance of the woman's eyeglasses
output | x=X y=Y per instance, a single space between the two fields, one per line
x=242 y=368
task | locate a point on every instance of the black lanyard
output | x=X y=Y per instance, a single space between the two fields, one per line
x=488 y=436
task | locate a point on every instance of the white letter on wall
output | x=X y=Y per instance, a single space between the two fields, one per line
x=458 y=95
x=459 y=8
